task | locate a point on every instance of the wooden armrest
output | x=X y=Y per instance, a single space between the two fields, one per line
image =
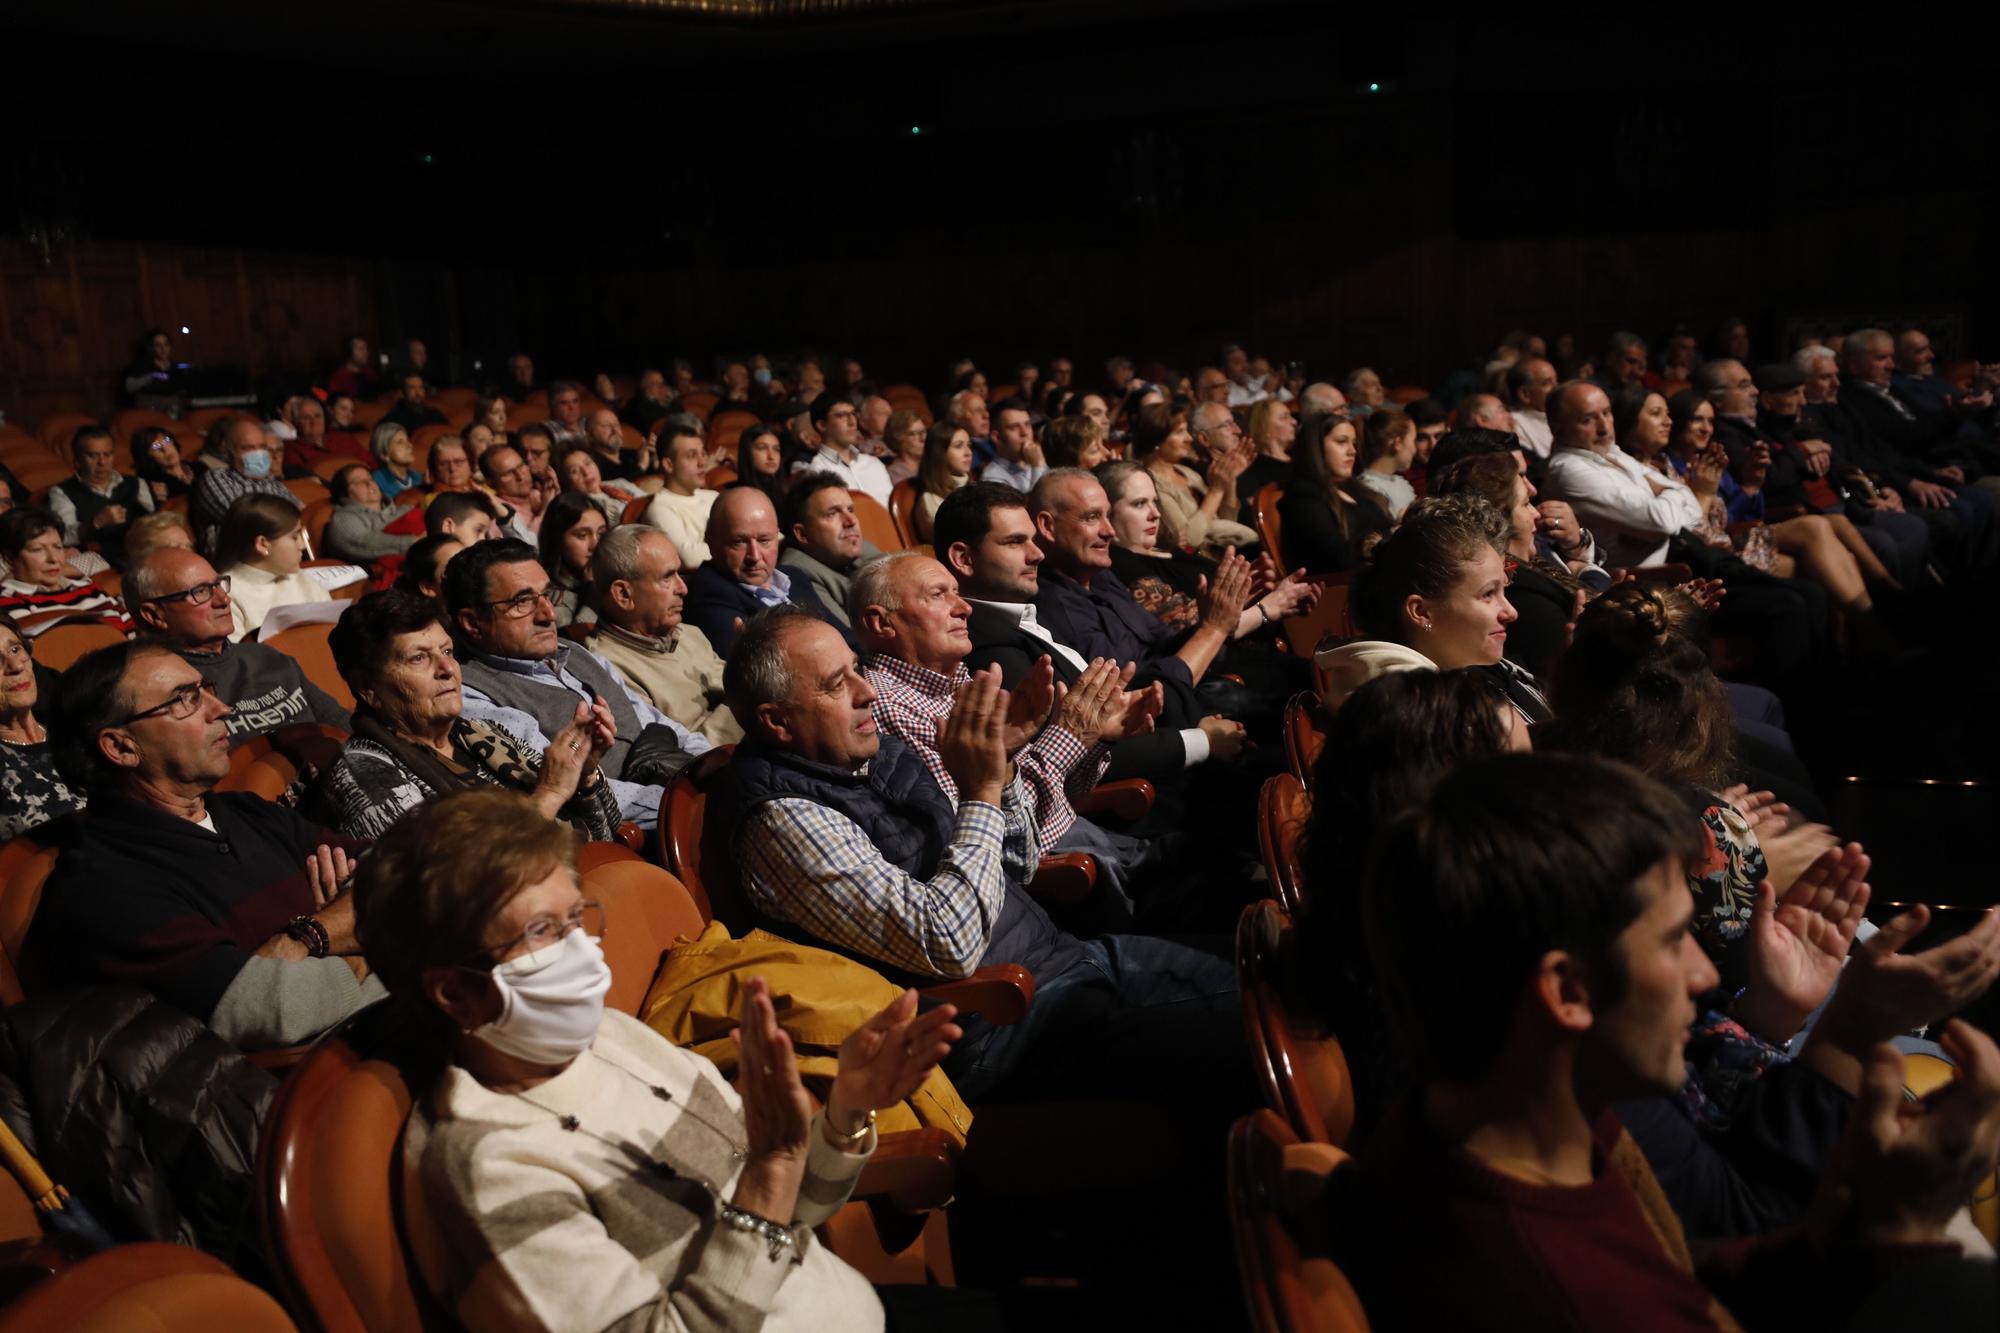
x=1069 y=878
x=632 y=836
x=1231 y=677
x=916 y=1170
x=999 y=994
x=1129 y=799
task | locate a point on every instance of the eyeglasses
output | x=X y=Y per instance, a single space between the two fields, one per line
x=521 y=604
x=180 y=705
x=543 y=932
x=200 y=594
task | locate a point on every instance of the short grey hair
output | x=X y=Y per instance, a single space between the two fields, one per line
x=1317 y=398
x=1051 y=482
x=1707 y=377
x=1808 y=357
x=143 y=582
x=1207 y=416
x=1353 y=378
x=955 y=409
x=617 y=557
x=384 y=434
x=758 y=671
x=1862 y=339
x=874 y=584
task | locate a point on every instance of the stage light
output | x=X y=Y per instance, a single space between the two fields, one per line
x=916 y=129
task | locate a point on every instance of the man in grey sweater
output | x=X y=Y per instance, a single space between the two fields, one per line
x=177 y=594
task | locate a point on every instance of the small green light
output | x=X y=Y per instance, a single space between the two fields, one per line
x=427 y=159
x=1373 y=88
x=916 y=129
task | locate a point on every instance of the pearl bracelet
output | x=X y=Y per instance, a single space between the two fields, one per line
x=778 y=1238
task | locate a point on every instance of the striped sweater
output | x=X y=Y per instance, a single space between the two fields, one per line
x=34 y=608
x=519 y=1223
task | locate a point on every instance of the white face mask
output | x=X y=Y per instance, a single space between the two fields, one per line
x=551 y=1001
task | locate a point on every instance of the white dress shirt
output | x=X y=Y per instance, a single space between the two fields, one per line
x=861 y=473
x=1531 y=428
x=1632 y=510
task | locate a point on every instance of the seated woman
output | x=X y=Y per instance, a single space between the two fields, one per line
x=390 y=444
x=261 y=548
x=410 y=741
x=947 y=466
x=1165 y=578
x=32 y=791
x=571 y=1168
x=492 y=414
x=423 y=566
x=1075 y=442
x=451 y=465
x=39 y=593
x=477 y=438
x=1544 y=594
x=157 y=461
x=1330 y=522
x=904 y=434
x=1273 y=431
x=760 y=459
x=571 y=528
x=1201 y=513
x=1388 y=448
x=1438 y=585
x=358 y=528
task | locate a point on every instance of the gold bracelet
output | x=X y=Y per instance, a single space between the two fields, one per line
x=848 y=1142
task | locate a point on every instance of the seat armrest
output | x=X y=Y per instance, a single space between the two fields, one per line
x=915 y=1169
x=632 y=836
x=999 y=994
x=1068 y=878
x=1129 y=799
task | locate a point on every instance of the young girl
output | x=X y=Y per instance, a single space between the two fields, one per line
x=1388 y=447
x=260 y=549
x=571 y=529
x=947 y=466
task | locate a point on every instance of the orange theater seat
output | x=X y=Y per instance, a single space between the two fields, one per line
x=1278 y=1187
x=1283 y=807
x=152 y=1287
x=58 y=648
x=59 y=427
x=307 y=644
x=1301 y=1066
x=876 y=524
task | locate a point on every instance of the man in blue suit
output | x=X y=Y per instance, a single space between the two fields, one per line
x=741 y=576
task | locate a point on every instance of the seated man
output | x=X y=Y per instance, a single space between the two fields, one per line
x=1017 y=459
x=506 y=470
x=823 y=542
x=225 y=904
x=248 y=464
x=637 y=575
x=565 y=423
x=178 y=595
x=97 y=504
x=742 y=576
x=985 y=536
x=653 y=401
x=680 y=508
x=521 y=676
x=357 y=529
x=839 y=428
x=470 y=517
x=843 y=837
x=604 y=436
x=1526 y=1026
x=411 y=412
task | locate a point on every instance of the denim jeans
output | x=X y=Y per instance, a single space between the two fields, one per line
x=1136 y=1018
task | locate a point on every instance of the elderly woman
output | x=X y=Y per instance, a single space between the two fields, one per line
x=904 y=434
x=392 y=449
x=32 y=792
x=570 y=1167
x=1075 y=442
x=157 y=461
x=39 y=593
x=411 y=742
x=358 y=527
x=451 y=465
x=1200 y=513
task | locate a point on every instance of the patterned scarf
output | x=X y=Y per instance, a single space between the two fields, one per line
x=496 y=752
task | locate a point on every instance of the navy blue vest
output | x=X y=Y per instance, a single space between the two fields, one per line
x=910 y=820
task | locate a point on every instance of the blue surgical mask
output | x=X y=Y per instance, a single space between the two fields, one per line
x=762 y=375
x=256 y=463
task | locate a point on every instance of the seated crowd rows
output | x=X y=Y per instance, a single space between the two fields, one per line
x=1567 y=906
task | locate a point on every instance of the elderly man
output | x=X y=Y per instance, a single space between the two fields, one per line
x=742 y=576
x=1322 y=399
x=839 y=429
x=1529 y=382
x=1365 y=392
x=249 y=464
x=874 y=414
x=223 y=904
x=507 y=471
x=604 y=436
x=1624 y=363
x=1211 y=386
x=1017 y=459
x=681 y=507
x=969 y=410
x=521 y=676
x=823 y=543
x=842 y=836
x=358 y=528
x=1244 y=388
x=1215 y=432
x=565 y=420
x=637 y=574
x=178 y=595
x=653 y=401
x=1868 y=393
x=411 y=411
x=1964 y=419
x=310 y=443
x=97 y=504
x=1487 y=412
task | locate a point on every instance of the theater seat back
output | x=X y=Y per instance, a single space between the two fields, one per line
x=1283 y=807
x=25 y=867
x=645 y=911
x=1277 y=1186
x=695 y=847
x=1299 y=1063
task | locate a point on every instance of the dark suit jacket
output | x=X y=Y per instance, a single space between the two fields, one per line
x=715 y=602
x=1855 y=445
x=1913 y=434
x=1159 y=756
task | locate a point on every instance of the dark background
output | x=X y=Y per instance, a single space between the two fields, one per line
x=607 y=185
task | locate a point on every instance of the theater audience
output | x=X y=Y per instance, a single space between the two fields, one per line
x=357 y=528
x=247 y=467
x=1200 y=512
x=223 y=904
x=1331 y=522
x=38 y=593
x=311 y=443
x=355 y=376
x=261 y=549
x=176 y=594
x=760 y=461
x=823 y=542
x=156 y=532
x=411 y=740
x=450 y=464
x=570 y=532
x=1388 y=449
x=496 y=964
x=839 y=428
x=520 y=383
x=743 y=576
x=842 y=835
x=469 y=516
x=1273 y=431
x=157 y=461
x=604 y=439
x=32 y=789
x=653 y=400
x=519 y=675
x=636 y=575
x=97 y=504
x=154 y=379
x=947 y=465
x=1545 y=594
x=968 y=409
x=1017 y=460
x=565 y=419
x=410 y=411
x=1529 y=383
x=396 y=459
x=580 y=475
x=682 y=506
x=423 y=568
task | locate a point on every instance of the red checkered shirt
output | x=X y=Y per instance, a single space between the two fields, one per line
x=910 y=702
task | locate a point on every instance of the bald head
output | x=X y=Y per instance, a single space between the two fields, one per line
x=743 y=535
x=1580 y=417
x=1487 y=412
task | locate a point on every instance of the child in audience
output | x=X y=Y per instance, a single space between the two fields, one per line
x=260 y=550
